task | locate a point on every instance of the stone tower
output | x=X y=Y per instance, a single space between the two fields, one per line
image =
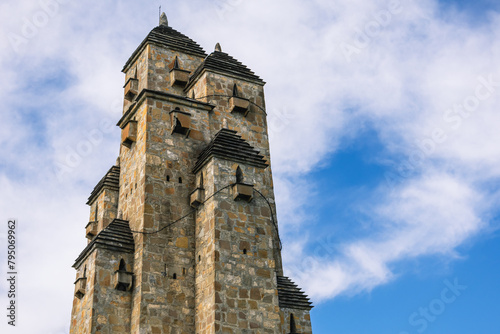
x=183 y=236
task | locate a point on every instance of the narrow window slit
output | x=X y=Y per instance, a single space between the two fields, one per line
x=239 y=175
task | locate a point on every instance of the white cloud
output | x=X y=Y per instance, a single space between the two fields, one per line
x=429 y=215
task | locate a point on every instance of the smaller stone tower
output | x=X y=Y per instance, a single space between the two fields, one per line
x=183 y=236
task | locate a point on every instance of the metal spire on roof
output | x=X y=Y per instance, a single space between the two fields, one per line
x=218 y=47
x=163 y=19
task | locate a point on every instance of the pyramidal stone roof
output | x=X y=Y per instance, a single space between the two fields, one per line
x=115 y=237
x=110 y=181
x=291 y=296
x=164 y=35
x=227 y=144
x=219 y=61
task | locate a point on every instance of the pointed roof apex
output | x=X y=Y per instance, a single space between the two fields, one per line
x=163 y=19
x=166 y=36
x=218 y=47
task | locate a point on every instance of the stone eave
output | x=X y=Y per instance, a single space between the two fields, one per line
x=222 y=157
x=134 y=56
x=110 y=181
x=290 y=296
x=115 y=237
x=163 y=96
x=197 y=75
x=228 y=145
x=143 y=45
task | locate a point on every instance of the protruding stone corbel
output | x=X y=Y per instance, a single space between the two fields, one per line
x=91 y=230
x=129 y=134
x=238 y=103
x=123 y=280
x=180 y=121
x=80 y=285
x=178 y=76
x=242 y=191
x=131 y=89
x=197 y=197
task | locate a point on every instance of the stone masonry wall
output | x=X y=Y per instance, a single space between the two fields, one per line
x=160 y=62
x=107 y=208
x=147 y=200
x=138 y=70
x=302 y=320
x=112 y=308
x=246 y=294
x=217 y=90
x=169 y=253
x=104 y=209
x=131 y=202
x=82 y=312
x=205 y=255
x=236 y=248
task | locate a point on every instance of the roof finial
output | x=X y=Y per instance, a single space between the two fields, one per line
x=218 y=47
x=163 y=19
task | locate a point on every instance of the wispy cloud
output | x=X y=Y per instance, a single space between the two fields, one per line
x=416 y=67
x=429 y=215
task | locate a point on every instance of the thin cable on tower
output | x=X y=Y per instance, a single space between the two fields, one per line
x=280 y=244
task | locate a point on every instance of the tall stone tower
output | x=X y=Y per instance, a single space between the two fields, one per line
x=183 y=236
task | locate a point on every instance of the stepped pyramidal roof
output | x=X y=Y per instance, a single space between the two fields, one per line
x=164 y=35
x=117 y=236
x=110 y=181
x=291 y=296
x=219 y=61
x=227 y=144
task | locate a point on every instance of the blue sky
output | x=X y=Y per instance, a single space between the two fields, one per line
x=383 y=119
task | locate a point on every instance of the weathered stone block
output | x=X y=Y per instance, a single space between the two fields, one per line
x=91 y=230
x=243 y=192
x=80 y=285
x=129 y=133
x=238 y=104
x=197 y=197
x=123 y=280
x=180 y=122
x=179 y=77
x=182 y=242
